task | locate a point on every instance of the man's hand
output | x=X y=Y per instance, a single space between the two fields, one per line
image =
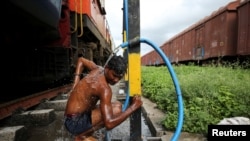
x=136 y=102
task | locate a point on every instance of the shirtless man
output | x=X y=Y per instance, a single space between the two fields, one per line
x=83 y=115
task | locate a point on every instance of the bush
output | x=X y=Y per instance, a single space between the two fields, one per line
x=209 y=94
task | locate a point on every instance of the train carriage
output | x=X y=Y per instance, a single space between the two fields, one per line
x=223 y=35
x=220 y=32
x=45 y=38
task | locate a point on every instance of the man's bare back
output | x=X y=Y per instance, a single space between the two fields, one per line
x=86 y=93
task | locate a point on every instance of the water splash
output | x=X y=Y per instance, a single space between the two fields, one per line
x=111 y=55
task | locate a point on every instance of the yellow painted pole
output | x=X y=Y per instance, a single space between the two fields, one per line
x=134 y=69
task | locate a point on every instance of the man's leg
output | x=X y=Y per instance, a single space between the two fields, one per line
x=97 y=122
x=96 y=116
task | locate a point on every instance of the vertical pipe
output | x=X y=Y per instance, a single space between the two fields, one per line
x=125 y=39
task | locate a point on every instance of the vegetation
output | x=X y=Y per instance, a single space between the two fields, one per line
x=209 y=94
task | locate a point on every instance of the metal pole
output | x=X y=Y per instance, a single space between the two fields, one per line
x=134 y=69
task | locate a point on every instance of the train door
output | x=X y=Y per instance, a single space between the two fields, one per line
x=199 y=42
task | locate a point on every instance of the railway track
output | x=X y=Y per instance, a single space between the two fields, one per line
x=24 y=103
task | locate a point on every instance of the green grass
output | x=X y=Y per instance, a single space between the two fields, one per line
x=209 y=94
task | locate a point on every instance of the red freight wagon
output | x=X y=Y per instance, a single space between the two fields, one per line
x=225 y=34
x=145 y=60
x=220 y=32
x=244 y=28
x=187 y=45
x=152 y=58
x=167 y=51
x=212 y=37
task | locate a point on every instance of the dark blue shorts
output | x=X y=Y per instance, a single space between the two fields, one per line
x=77 y=124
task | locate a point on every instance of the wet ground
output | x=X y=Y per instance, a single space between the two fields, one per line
x=53 y=132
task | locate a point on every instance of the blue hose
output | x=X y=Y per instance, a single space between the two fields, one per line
x=126 y=28
x=175 y=81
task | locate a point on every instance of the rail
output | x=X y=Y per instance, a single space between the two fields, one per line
x=24 y=103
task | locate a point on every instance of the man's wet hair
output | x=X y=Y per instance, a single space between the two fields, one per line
x=118 y=64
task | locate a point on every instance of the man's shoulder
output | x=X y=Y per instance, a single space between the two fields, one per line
x=97 y=69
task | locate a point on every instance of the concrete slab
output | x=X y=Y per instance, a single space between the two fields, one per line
x=154 y=117
x=62 y=96
x=14 y=133
x=153 y=138
x=57 y=105
x=33 y=118
x=184 y=137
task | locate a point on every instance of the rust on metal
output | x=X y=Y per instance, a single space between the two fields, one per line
x=244 y=28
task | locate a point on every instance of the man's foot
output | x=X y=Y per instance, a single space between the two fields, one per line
x=85 y=138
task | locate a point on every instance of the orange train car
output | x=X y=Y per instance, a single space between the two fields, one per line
x=222 y=35
x=45 y=38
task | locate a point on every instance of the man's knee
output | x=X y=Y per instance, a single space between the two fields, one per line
x=117 y=107
x=117 y=103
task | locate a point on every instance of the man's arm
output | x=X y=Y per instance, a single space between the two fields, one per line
x=82 y=64
x=110 y=120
